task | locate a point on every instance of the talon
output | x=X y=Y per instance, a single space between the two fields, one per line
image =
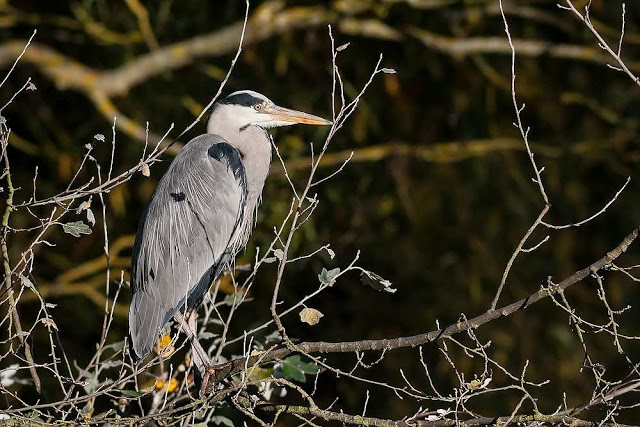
x=208 y=372
x=205 y=381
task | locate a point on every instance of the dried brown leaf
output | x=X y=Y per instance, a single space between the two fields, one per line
x=310 y=316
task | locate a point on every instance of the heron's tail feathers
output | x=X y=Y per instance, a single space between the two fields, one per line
x=145 y=320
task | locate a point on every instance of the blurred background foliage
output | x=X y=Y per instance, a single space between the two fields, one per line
x=437 y=196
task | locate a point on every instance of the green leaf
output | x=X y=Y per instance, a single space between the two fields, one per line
x=76 y=228
x=273 y=337
x=91 y=385
x=232 y=299
x=206 y=335
x=24 y=281
x=132 y=393
x=257 y=373
x=293 y=368
x=111 y=364
x=331 y=253
x=219 y=419
x=278 y=253
x=116 y=346
x=376 y=282
x=328 y=278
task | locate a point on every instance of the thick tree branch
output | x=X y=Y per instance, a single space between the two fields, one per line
x=270 y=19
x=266 y=21
x=458 y=47
x=444 y=152
x=240 y=364
x=482 y=421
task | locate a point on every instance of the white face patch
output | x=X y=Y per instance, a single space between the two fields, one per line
x=258 y=116
x=240 y=116
x=245 y=108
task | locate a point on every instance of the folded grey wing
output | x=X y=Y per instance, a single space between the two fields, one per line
x=184 y=235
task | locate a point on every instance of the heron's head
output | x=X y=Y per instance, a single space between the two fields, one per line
x=248 y=108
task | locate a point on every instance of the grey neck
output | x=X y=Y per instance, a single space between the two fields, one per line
x=254 y=145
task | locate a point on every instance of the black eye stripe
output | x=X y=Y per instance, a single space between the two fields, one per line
x=243 y=99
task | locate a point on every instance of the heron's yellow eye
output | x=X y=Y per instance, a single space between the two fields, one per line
x=257 y=107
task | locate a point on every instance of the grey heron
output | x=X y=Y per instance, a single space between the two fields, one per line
x=202 y=214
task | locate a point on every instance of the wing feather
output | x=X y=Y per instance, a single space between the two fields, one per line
x=184 y=237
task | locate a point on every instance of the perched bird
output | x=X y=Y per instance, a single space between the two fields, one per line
x=201 y=214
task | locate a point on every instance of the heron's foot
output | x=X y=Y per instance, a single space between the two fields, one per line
x=210 y=371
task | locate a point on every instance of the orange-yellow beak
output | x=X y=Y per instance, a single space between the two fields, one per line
x=287 y=115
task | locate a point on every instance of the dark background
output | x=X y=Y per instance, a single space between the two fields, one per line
x=441 y=229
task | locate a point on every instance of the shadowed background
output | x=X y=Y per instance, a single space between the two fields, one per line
x=437 y=195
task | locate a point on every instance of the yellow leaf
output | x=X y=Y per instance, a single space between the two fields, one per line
x=474 y=384
x=172 y=385
x=163 y=346
x=87 y=411
x=257 y=373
